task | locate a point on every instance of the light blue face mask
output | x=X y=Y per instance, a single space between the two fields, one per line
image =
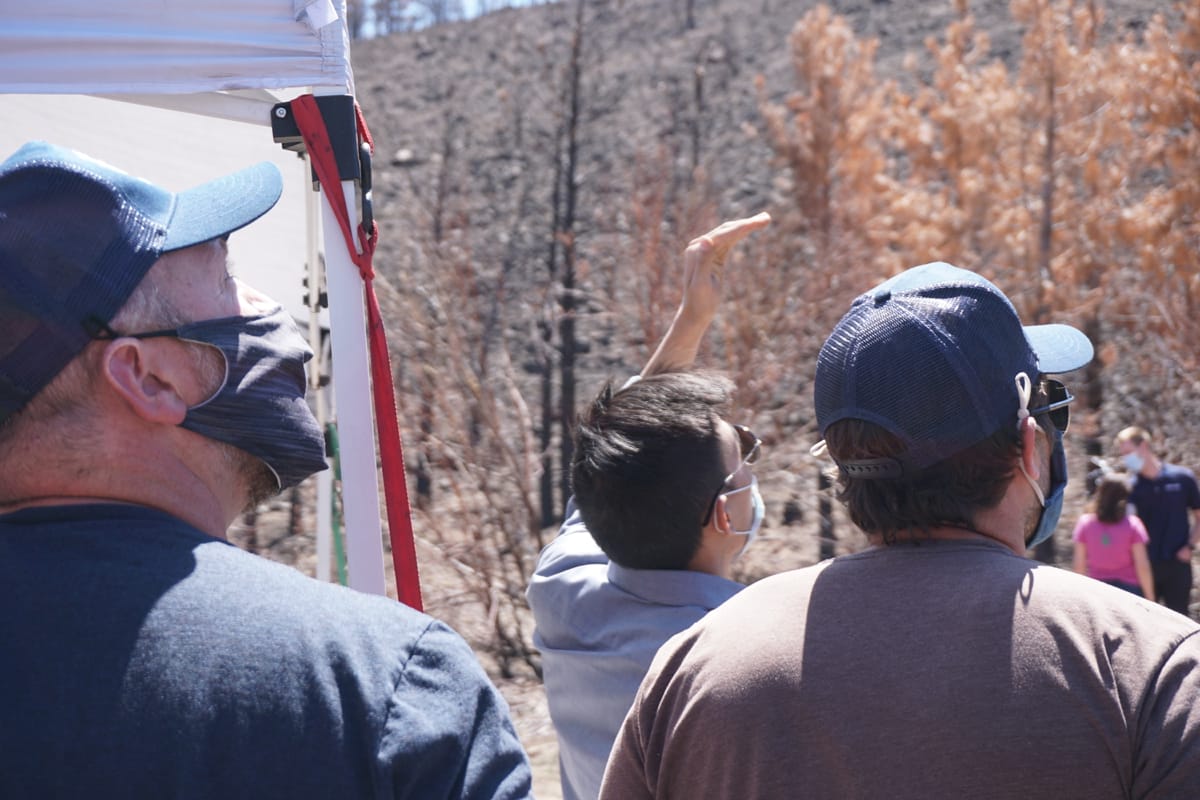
x=1051 y=504
x=1133 y=462
x=759 y=512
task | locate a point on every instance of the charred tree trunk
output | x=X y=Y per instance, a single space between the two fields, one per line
x=1046 y=229
x=442 y=189
x=295 y=508
x=567 y=299
x=424 y=476
x=546 y=332
x=545 y=435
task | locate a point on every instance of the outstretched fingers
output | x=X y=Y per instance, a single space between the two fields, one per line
x=704 y=261
x=723 y=237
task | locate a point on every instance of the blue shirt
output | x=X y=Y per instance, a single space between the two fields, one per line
x=1162 y=503
x=140 y=658
x=598 y=626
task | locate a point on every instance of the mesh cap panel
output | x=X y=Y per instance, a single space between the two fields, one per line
x=89 y=249
x=76 y=238
x=931 y=357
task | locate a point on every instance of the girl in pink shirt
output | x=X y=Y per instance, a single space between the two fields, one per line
x=1110 y=544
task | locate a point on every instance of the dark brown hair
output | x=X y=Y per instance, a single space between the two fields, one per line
x=1112 y=496
x=950 y=492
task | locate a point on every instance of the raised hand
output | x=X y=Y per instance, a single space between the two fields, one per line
x=704 y=265
x=703 y=286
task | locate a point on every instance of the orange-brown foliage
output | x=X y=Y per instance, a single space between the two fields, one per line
x=1072 y=180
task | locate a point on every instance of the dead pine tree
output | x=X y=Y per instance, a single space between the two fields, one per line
x=563 y=251
x=545 y=327
x=567 y=342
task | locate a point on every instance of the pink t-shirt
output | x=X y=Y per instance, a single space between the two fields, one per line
x=1109 y=546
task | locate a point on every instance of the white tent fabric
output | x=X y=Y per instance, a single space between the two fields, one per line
x=172 y=46
x=213 y=57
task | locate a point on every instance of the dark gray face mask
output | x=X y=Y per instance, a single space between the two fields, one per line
x=260 y=406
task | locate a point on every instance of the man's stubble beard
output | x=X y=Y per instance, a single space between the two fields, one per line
x=257 y=479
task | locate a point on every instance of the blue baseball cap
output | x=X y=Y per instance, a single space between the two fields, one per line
x=931 y=355
x=76 y=238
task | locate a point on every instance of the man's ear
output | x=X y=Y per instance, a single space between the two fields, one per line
x=144 y=374
x=1029 y=454
x=720 y=520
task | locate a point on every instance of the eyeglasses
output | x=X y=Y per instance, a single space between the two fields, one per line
x=750 y=447
x=1057 y=409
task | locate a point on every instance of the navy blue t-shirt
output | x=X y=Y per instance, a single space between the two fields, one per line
x=1163 y=503
x=143 y=659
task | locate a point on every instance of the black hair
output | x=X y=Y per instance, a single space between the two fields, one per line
x=647 y=460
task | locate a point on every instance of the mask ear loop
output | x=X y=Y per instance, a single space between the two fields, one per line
x=1024 y=392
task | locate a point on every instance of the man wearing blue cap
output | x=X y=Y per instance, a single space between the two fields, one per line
x=146 y=399
x=940 y=662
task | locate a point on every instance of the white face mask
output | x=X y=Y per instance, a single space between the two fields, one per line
x=1133 y=462
x=759 y=512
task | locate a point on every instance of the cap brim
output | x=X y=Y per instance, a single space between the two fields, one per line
x=1059 y=348
x=222 y=206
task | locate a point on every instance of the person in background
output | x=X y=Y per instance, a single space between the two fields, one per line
x=1110 y=544
x=147 y=397
x=941 y=662
x=665 y=501
x=1167 y=499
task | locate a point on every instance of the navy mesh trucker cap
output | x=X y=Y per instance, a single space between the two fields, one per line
x=77 y=236
x=931 y=356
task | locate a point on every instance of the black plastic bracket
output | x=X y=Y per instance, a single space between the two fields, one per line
x=341 y=123
x=364 y=185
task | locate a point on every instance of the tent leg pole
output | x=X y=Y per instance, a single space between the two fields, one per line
x=352 y=397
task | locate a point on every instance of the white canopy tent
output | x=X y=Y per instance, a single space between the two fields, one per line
x=227 y=62
x=173 y=46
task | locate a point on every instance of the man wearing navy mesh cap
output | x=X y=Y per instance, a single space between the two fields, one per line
x=146 y=398
x=940 y=662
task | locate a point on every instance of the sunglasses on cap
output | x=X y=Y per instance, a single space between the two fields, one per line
x=1057 y=409
x=749 y=446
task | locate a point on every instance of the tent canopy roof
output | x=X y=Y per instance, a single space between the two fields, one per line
x=174 y=46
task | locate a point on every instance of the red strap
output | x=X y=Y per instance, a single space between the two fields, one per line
x=320 y=151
